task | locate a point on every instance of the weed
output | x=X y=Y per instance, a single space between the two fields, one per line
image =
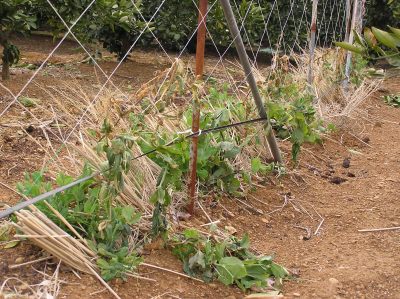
x=392 y=100
x=28 y=102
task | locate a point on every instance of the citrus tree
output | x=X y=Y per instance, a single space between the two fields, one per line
x=14 y=18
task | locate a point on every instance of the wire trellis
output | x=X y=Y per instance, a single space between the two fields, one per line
x=285 y=21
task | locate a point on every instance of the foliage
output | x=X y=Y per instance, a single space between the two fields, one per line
x=229 y=261
x=91 y=209
x=117 y=23
x=389 y=13
x=392 y=100
x=14 y=18
x=292 y=114
x=246 y=10
x=114 y=24
x=376 y=44
x=216 y=152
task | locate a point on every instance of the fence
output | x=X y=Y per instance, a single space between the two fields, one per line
x=333 y=20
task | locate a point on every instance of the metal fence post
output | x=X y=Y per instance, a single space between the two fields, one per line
x=200 y=49
x=244 y=60
x=350 y=40
x=313 y=31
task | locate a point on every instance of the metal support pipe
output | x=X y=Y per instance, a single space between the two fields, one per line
x=200 y=49
x=313 y=31
x=354 y=20
x=348 y=20
x=244 y=60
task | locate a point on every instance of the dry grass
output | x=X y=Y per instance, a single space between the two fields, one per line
x=333 y=104
x=48 y=288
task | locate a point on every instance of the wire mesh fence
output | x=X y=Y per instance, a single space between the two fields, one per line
x=219 y=64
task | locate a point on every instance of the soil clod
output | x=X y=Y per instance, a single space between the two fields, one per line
x=337 y=180
x=346 y=163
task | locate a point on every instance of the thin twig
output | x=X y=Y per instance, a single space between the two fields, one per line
x=250 y=207
x=319 y=226
x=102 y=281
x=307 y=229
x=378 y=229
x=31 y=262
x=170 y=271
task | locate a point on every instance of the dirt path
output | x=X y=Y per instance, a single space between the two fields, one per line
x=342 y=261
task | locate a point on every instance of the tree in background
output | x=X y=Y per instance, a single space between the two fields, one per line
x=381 y=13
x=14 y=18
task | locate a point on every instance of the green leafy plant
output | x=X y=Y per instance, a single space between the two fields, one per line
x=392 y=100
x=230 y=261
x=292 y=115
x=14 y=18
x=376 y=44
x=217 y=151
x=91 y=208
x=105 y=227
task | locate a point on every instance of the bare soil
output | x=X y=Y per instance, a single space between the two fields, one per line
x=328 y=260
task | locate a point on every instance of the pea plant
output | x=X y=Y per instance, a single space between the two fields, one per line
x=230 y=261
x=91 y=208
x=292 y=115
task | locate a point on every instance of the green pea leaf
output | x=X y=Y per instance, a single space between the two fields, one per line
x=230 y=269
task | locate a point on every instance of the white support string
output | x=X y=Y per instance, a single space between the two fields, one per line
x=113 y=72
x=244 y=25
x=64 y=141
x=181 y=53
x=84 y=48
x=45 y=61
x=229 y=46
x=296 y=40
x=152 y=33
x=233 y=85
x=265 y=31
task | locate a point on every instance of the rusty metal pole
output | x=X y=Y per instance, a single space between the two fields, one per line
x=313 y=31
x=244 y=60
x=200 y=49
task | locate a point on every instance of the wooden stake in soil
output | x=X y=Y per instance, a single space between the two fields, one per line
x=244 y=60
x=200 y=49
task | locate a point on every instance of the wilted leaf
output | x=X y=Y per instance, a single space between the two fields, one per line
x=278 y=271
x=11 y=244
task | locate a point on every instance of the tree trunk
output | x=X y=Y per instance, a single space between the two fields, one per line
x=5 y=74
